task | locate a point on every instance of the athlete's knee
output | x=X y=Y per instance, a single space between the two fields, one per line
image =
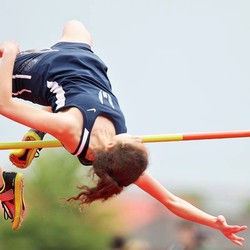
x=73 y=22
x=75 y=31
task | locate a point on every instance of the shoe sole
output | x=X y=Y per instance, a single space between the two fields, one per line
x=15 y=155
x=18 y=202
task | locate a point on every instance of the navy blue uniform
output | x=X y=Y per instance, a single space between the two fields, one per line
x=68 y=75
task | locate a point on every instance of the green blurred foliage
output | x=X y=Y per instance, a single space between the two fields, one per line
x=52 y=223
x=247 y=207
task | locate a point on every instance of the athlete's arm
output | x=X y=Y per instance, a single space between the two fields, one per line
x=75 y=31
x=187 y=211
x=59 y=125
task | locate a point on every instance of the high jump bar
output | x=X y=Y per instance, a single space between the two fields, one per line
x=145 y=139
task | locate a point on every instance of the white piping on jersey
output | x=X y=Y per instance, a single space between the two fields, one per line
x=21 y=76
x=21 y=91
x=83 y=142
x=60 y=93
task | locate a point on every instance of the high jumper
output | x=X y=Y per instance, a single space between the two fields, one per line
x=81 y=111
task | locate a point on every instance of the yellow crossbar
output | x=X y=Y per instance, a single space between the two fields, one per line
x=30 y=144
x=145 y=139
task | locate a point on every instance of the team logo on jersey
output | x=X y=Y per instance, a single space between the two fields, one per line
x=91 y=110
x=105 y=96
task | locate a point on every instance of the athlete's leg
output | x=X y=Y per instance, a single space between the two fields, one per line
x=75 y=31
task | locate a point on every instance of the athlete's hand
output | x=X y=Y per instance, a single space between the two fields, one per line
x=9 y=47
x=230 y=231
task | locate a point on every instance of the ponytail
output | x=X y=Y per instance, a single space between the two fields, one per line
x=115 y=168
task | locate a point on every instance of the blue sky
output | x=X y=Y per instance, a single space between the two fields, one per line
x=176 y=66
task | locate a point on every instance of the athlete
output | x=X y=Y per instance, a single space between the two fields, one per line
x=81 y=111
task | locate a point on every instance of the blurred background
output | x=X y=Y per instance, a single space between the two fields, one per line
x=176 y=67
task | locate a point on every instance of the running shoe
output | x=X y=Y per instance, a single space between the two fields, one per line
x=12 y=198
x=22 y=158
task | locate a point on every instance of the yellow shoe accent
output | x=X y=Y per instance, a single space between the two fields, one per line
x=19 y=203
x=22 y=158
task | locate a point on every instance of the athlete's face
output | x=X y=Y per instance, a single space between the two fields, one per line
x=129 y=139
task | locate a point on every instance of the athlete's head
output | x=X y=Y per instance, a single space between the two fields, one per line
x=121 y=164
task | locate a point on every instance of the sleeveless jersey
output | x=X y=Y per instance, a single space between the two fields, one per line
x=68 y=75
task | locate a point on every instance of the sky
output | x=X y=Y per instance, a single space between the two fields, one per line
x=176 y=67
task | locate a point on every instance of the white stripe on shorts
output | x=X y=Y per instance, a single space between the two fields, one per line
x=60 y=93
